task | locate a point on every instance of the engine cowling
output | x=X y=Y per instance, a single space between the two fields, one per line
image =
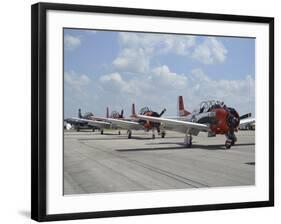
x=226 y=119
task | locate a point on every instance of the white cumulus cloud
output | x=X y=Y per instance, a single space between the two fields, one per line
x=132 y=60
x=71 y=42
x=239 y=94
x=137 y=49
x=76 y=81
x=167 y=79
x=211 y=51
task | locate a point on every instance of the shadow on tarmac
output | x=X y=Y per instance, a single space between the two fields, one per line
x=120 y=137
x=181 y=146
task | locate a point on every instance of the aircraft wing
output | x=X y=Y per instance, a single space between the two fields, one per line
x=98 y=124
x=176 y=125
x=74 y=121
x=125 y=124
x=248 y=120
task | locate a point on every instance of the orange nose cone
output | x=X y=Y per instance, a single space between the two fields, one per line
x=221 y=126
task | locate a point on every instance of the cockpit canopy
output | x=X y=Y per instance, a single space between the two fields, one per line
x=207 y=106
x=88 y=114
x=144 y=110
x=114 y=114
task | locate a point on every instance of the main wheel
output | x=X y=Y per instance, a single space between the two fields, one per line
x=129 y=135
x=153 y=136
x=101 y=132
x=188 y=145
x=163 y=134
x=228 y=144
x=188 y=141
x=119 y=132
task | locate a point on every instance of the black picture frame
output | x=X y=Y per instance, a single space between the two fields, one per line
x=39 y=108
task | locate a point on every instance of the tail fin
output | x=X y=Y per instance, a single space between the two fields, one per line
x=107 y=112
x=79 y=113
x=182 y=111
x=133 y=110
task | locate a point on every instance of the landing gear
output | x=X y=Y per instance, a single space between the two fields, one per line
x=231 y=139
x=101 y=131
x=228 y=143
x=153 y=134
x=188 y=140
x=93 y=130
x=161 y=132
x=78 y=129
x=119 y=132
x=129 y=134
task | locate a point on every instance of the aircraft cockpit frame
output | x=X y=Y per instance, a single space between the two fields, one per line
x=207 y=106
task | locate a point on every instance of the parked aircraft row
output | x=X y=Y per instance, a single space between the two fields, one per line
x=213 y=117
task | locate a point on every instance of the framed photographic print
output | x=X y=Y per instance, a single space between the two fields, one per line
x=139 y=111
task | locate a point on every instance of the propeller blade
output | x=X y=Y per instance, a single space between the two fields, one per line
x=79 y=113
x=162 y=112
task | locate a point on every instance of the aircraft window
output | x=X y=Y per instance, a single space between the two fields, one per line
x=204 y=107
x=114 y=114
x=88 y=114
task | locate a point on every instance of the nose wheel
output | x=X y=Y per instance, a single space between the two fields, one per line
x=231 y=139
x=228 y=143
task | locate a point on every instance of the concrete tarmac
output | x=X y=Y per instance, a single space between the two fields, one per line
x=95 y=163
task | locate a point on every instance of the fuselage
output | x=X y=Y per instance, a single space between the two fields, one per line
x=220 y=118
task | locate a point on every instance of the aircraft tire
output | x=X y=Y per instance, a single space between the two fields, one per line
x=228 y=144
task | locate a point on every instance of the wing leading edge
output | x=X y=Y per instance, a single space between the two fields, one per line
x=98 y=124
x=125 y=124
x=177 y=125
x=249 y=120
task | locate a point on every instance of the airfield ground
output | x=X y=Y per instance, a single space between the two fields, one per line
x=95 y=163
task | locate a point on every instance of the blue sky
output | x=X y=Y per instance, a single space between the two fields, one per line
x=115 y=69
